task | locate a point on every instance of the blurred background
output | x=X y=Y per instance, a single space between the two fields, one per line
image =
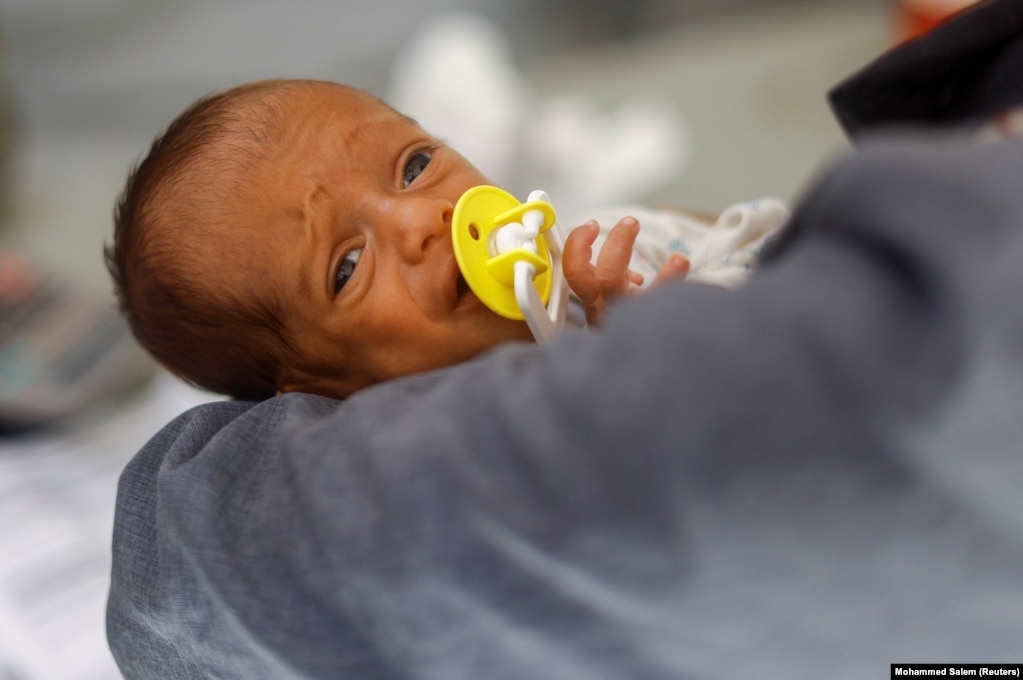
x=689 y=103
x=90 y=83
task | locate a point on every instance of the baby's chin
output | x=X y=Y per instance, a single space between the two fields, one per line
x=501 y=330
x=471 y=338
x=487 y=332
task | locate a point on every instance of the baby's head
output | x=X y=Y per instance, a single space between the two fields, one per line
x=295 y=236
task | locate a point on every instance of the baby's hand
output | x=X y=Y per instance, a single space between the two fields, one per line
x=597 y=285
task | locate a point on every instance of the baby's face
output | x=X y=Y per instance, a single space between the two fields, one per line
x=352 y=222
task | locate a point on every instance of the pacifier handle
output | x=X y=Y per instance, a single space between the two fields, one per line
x=511 y=257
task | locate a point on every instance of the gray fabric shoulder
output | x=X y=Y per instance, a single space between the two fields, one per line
x=619 y=503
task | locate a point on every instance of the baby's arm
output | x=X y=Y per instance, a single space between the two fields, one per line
x=597 y=284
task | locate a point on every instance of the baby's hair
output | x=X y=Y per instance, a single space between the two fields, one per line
x=227 y=340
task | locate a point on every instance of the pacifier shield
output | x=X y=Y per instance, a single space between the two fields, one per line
x=476 y=216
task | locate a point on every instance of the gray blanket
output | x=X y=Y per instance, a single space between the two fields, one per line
x=816 y=475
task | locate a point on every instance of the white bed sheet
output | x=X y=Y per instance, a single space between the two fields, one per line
x=56 y=512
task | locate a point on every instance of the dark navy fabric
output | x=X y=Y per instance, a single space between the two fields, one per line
x=963 y=72
x=815 y=475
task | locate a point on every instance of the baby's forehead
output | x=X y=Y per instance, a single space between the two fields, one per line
x=325 y=125
x=300 y=96
x=273 y=111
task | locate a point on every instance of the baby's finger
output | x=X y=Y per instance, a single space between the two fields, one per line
x=575 y=262
x=676 y=267
x=612 y=266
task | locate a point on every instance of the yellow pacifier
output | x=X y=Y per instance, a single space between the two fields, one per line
x=509 y=257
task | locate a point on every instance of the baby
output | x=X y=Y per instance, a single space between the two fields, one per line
x=293 y=235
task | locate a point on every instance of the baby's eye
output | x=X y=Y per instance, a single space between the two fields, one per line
x=346 y=269
x=415 y=165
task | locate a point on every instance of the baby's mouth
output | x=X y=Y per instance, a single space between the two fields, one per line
x=462 y=286
x=466 y=298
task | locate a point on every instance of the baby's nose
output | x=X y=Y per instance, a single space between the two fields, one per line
x=424 y=223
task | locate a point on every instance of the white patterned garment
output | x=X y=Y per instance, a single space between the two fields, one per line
x=721 y=253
